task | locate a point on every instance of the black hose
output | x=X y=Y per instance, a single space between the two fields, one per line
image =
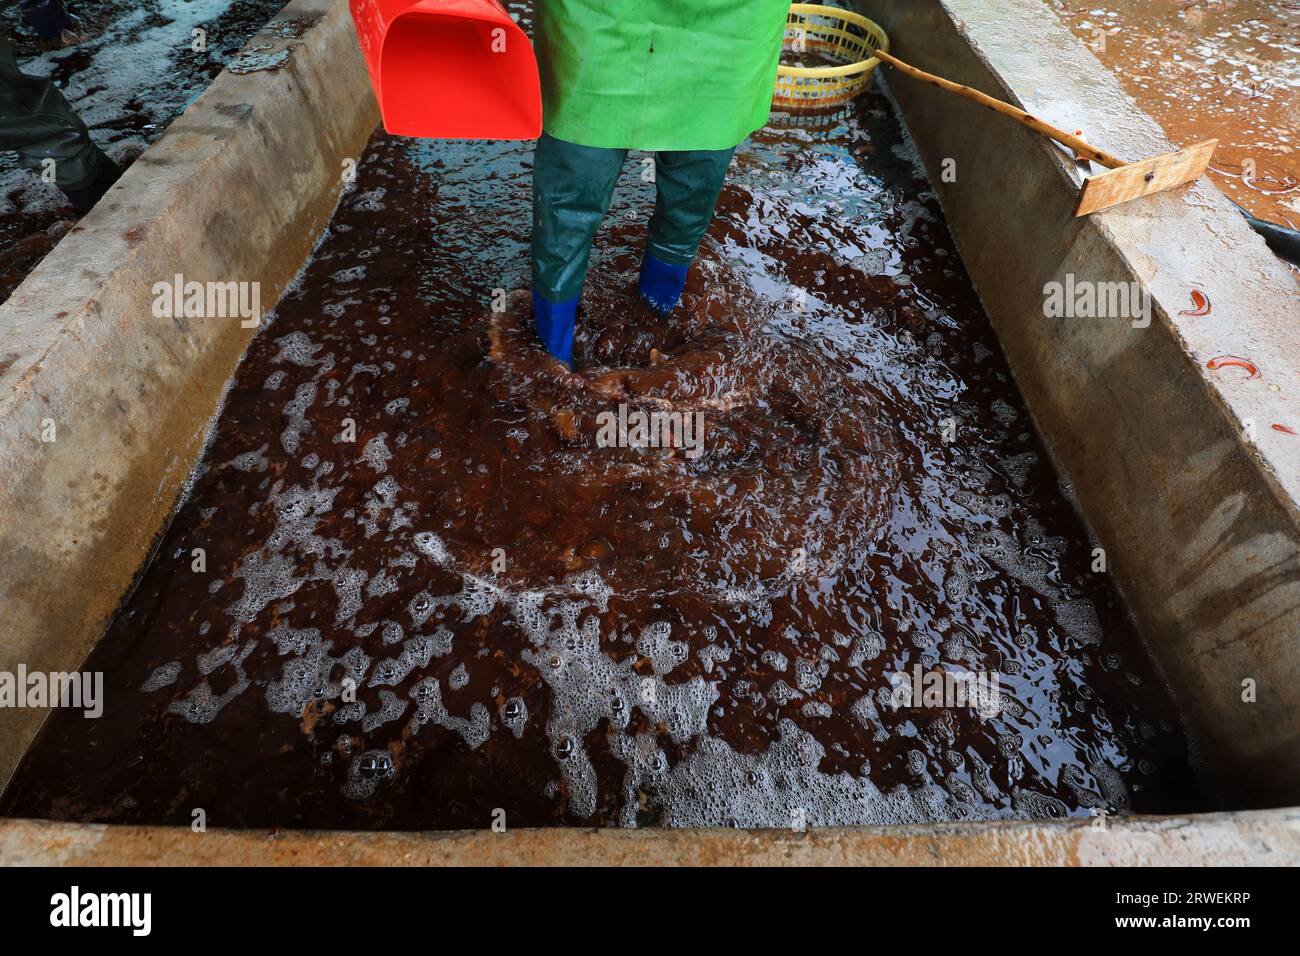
x=1283 y=241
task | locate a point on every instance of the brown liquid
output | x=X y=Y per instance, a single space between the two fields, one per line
x=1225 y=69
x=670 y=639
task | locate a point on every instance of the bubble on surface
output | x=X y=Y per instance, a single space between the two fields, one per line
x=712 y=788
x=163 y=676
x=1037 y=806
x=376 y=453
x=1079 y=619
x=391 y=708
x=349 y=275
x=202 y=704
x=415 y=655
x=251 y=460
x=473 y=730
x=297 y=348
x=296 y=414
x=367 y=772
x=514 y=716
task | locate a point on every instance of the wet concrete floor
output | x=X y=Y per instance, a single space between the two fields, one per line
x=428 y=596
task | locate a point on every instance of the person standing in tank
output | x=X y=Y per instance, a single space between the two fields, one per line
x=685 y=79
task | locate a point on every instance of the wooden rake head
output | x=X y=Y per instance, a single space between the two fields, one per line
x=1129 y=181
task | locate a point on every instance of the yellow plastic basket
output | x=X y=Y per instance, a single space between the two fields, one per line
x=847 y=37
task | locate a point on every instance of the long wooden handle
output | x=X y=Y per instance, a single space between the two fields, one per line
x=1006 y=109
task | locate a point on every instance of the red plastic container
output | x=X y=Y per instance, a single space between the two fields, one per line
x=450 y=69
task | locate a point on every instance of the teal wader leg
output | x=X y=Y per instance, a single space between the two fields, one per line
x=37 y=123
x=687 y=186
x=572 y=187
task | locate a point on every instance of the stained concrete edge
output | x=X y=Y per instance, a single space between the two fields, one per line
x=1190 y=491
x=237 y=189
x=1268 y=838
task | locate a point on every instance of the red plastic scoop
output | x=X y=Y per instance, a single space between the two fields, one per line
x=450 y=69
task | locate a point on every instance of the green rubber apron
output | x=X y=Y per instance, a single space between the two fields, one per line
x=657 y=74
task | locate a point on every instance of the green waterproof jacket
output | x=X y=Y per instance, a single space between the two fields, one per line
x=657 y=74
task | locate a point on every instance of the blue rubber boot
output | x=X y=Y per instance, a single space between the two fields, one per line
x=555 y=321
x=661 y=283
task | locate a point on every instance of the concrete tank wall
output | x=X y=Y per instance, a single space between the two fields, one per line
x=1176 y=468
x=237 y=189
x=1224 y=839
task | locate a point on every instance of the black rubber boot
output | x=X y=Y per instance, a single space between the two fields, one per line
x=50 y=139
x=1284 y=242
x=83 y=198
